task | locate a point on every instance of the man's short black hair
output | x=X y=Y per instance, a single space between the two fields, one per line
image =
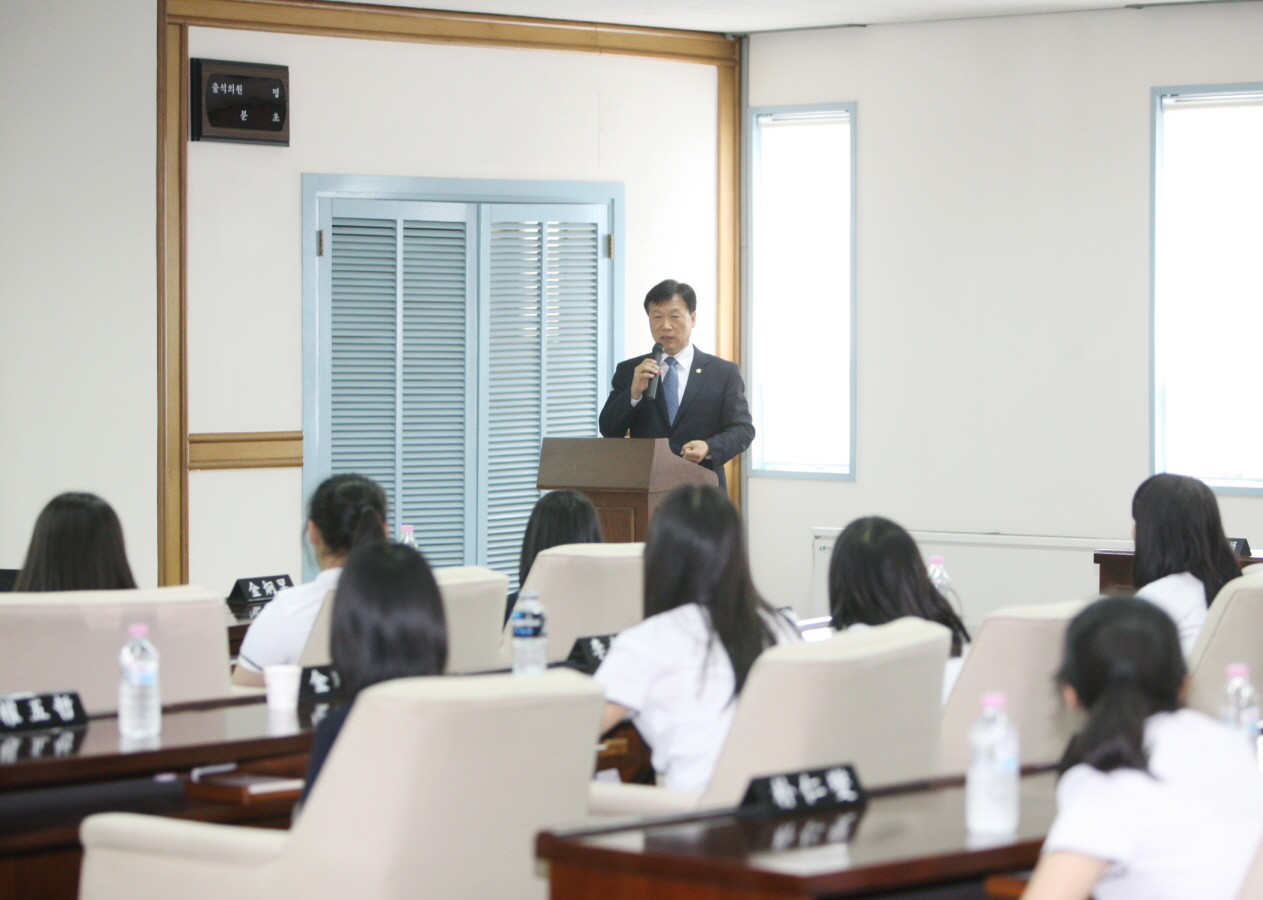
x=663 y=291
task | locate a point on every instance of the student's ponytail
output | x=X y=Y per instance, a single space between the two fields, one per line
x=1123 y=660
x=348 y=510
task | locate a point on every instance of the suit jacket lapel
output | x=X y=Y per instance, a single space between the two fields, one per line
x=701 y=368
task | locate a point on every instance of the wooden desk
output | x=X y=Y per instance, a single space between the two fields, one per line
x=43 y=800
x=1116 y=568
x=910 y=837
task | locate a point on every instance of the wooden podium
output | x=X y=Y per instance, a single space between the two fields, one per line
x=625 y=478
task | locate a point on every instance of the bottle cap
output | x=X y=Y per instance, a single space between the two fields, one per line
x=139 y=630
x=994 y=700
x=936 y=560
x=405 y=529
x=1239 y=670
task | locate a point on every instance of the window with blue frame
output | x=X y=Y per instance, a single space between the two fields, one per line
x=802 y=291
x=1207 y=283
x=444 y=341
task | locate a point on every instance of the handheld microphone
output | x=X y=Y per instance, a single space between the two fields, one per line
x=652 y=391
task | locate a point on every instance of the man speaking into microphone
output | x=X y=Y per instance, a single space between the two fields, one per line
x=695 y=400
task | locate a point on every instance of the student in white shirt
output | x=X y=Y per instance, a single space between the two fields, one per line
x=876 y=575
x=1156 y=802
x=1182 y=555
x=678 y=673
x=344 y=511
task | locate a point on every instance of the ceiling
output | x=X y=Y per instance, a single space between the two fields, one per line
x=745 y=16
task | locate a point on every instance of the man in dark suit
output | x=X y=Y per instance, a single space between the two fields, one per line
x=701 y=404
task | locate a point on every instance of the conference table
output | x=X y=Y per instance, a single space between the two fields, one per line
x=1116 y=568
x=50 y=782
x=909 y=837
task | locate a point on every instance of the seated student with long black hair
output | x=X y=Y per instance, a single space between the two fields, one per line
x=1182 y=556
x=77 y=545
x=1156 y=801
x=388 y=622
x=678 y=673
x=876 y=575
x=559 y=517
x=345 y=511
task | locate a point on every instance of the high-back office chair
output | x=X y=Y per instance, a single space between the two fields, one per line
x=70 y=640
x=435 y=788
x=1232 y=633
x=1016 y=651
x=869 y=697
x=473 y=603
x=586 y=589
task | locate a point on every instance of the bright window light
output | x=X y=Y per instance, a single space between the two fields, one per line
x=1208 y=288
x=802 y=292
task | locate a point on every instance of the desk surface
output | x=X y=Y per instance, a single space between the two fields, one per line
x=228 y=731
x=905 y=838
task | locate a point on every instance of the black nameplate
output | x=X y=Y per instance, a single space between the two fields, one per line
x=54 y=743
x=1240 y=546
x=38 y=712
x=249 y=595
x=319 y=684
x=235 y=101
x=588 y=652
x=837 y=787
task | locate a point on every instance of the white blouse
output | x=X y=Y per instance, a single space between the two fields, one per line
x=1188 y=831
x=1181 y=596
x=678 y=683
x=279 y=632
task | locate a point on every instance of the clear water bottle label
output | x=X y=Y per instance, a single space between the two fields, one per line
x=142 y=673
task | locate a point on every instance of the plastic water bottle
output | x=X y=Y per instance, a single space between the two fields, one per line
x=407 y=538
x=943 y=582
x=139 y=701
x=991 y=784
x=530 y=635
x=1239 y=708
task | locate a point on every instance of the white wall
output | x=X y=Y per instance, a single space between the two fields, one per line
x=1003 y=273
x=408 y=109
x=78 y=325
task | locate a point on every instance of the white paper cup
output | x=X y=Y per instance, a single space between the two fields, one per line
x=282 y=685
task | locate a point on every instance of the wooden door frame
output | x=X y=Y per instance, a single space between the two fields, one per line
x=330 y=19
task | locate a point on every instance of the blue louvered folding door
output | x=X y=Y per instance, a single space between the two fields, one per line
x=453 y=337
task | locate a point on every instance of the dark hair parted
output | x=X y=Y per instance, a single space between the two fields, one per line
x=388 y=619
x=77 y=545
x=560 y=517
x=1178 y=529
x=876 y=575
x=1122 y=657
x=663 y=291
x=348 y=510
x=695 y=552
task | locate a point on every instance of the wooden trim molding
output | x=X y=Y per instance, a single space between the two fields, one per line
x=178 y=451
x=246 y=450
x=434 y=26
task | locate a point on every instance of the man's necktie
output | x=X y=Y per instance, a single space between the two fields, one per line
x=671 y=385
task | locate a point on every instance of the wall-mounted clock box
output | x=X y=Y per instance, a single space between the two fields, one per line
x=236 y=101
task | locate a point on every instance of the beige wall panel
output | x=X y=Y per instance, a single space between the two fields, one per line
x=78 y=378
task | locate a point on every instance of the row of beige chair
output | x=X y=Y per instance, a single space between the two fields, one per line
x=435 y=788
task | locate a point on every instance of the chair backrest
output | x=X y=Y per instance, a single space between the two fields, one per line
x=436 y=788
x=1016 y=651
x=70 y=640
x=316 y=650
x=1232 y=633
x=586 y=589
x=473 y=602
x=868 y=697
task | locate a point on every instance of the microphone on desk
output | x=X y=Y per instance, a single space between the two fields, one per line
x=652 y=391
